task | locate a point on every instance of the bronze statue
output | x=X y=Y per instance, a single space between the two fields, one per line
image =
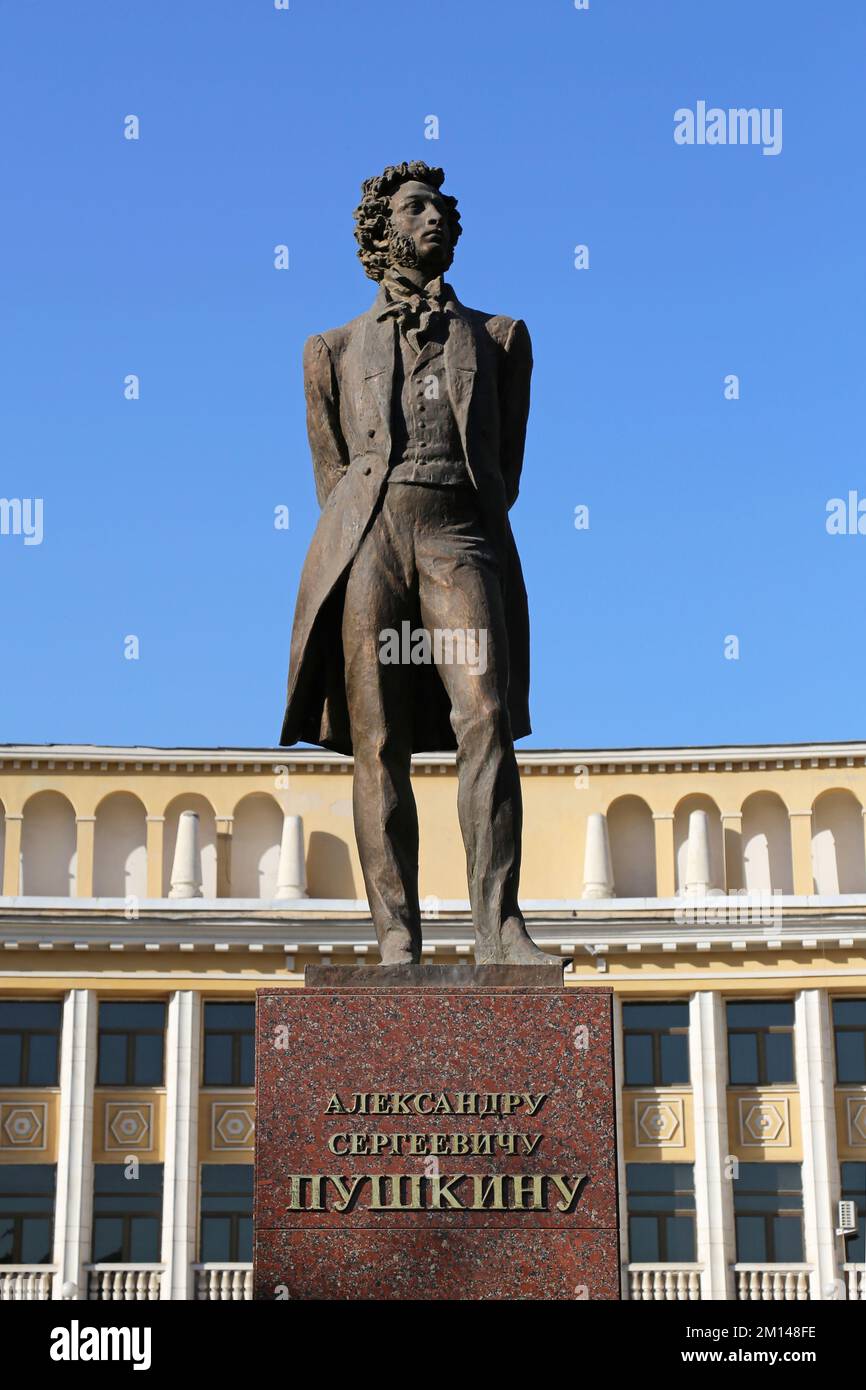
x=411 y=630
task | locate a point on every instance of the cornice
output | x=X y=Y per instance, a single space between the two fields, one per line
x=227 y=761
x=560 y=929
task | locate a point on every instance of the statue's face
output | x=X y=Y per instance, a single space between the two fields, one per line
x=419 y=216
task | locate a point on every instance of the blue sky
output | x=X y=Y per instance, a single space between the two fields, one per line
x=155 y=257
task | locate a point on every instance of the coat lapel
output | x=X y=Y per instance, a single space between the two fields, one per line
x=461 y=362
x=377 y=364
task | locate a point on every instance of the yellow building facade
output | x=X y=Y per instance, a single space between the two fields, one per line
x=146 y=893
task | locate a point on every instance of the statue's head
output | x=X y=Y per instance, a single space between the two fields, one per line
x=403 y=220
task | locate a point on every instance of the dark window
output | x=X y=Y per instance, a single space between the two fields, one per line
x=131 y=1044
x=661 y=1212
x=768 y=1212
x=226 y=1212
x=761 y=1042
x=656 y=1043
x=26 y=1213
x=854 y=1190
x=849 y=1026
x=229 y=1044
x=127 y=1213
x=29 y=1043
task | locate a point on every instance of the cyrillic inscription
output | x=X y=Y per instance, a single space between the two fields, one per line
x=453 y=1191
x=434 y=1191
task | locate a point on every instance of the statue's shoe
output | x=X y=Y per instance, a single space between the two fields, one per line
x=515 y=947
x=396 y=949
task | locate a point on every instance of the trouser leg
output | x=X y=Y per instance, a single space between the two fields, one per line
x=460 y=594
x=379 y=595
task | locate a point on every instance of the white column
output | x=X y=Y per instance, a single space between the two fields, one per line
x=714 y=1199
x=813 y=1040
x=291 y=871
x=698 y=874
x=180 y=1187
x=186 y=866
x=597 y=869
x=73 y=1210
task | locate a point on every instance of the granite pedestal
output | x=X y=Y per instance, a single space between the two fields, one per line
x=435 y=1132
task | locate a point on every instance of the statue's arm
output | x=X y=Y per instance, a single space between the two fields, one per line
x=514 y=405
x=327 y=445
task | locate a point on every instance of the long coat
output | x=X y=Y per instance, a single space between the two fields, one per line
x=348 y=381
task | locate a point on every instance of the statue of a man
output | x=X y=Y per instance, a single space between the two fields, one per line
x=411 y=630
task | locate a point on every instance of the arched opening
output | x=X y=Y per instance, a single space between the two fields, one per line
x=120 y=848
x=838 y=857
x=207 y=841
x=632 y=847
x=698 y=802
x=48 y=847
x=256 y=835
x=767 y=863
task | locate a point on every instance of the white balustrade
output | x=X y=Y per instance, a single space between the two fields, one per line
x=132 y=1283
x=856 y=1277
x=223 y=1282
x=668 y=1283
x=772 y=1283
x=25 y=1282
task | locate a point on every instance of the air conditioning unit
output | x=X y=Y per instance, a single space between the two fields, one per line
x=847 y=1218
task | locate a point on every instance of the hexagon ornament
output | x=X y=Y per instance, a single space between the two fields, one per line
x=232 y=1126
x=23 y=1126
x=128 y=1126
x=764 y=1122
x=856 y=1121
x=658 y=1121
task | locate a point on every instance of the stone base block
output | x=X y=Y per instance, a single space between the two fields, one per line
x=419 y=1142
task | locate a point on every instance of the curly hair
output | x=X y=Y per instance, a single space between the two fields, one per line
x=373 y=231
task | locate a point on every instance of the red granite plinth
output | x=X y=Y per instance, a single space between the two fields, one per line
x=427 y=1143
